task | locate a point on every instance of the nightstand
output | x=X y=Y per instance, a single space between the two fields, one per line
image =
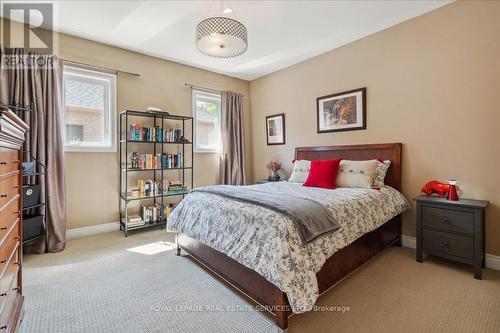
x=452 y=229
x=263 y=181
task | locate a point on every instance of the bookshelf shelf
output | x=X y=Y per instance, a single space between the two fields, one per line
x=33 y=206
x=126 y=197
x=144 y=226
x=170 y=144
x=158 y=142
x=163 y=169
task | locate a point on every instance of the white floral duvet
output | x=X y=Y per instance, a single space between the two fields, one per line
x=267 y=242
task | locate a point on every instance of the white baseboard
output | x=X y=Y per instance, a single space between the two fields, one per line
x=92 y=230
x=409 y=241
x=492 y=261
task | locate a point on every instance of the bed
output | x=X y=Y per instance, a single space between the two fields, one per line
x=258 y=251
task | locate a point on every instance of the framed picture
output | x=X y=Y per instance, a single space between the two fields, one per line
x=275 y=129
x=345 y=111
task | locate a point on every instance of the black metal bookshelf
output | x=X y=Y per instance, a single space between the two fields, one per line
x=35 y=215
x=184 y=173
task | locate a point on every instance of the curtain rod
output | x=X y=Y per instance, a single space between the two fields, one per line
x=201 y=87
x=116 y=71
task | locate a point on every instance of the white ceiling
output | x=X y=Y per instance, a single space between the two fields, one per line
x=280 y=33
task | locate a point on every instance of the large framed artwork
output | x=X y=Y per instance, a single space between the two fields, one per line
x=345 y=111
x=275 y=129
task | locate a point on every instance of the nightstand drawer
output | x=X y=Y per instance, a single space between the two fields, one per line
x=447 y=219
x=455 y=245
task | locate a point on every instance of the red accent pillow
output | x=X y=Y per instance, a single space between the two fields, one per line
x=323 y=173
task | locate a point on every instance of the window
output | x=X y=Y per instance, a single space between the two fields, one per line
x=74 y=133
x=89 y=110
x=207 y=120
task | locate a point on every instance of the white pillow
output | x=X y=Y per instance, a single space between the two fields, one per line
x=356 y=173
x=300 y=171
x=380 y=173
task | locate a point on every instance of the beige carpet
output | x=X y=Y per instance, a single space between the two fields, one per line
x=108 y=283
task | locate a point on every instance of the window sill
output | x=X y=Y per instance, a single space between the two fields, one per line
x=207 y=152
x=89 y=150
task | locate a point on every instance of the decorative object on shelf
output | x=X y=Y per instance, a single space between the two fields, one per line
x=221 y=36
x=438 y=188
x=183 y=139
x=274 y=166
x=345 y=111
x=154 y=109
x=134 y=160
x=275 y=129
x=452 y=192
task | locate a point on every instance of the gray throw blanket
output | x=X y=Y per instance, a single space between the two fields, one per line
x=311 y=219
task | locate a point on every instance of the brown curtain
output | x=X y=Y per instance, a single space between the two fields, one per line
x=36 y=80
x=232 y=166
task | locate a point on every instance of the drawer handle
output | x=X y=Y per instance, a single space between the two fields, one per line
x=3 y=195
x=3 y=228
x=3 y=294
x=3 y=327
x=16 y=162
x=3 y=163
x=17 y=238
x=15 y=289
x=17 y=263
x=3 y=261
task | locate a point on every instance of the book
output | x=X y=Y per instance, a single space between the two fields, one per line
x=132 y=219
x=135 y=132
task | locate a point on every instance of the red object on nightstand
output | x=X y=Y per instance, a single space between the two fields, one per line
x=452 y=193
x=439 y=188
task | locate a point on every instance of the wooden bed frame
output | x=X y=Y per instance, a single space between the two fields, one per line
x=337 y=267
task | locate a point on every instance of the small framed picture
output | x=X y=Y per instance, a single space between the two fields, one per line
x=275 y=129
x=345 y=111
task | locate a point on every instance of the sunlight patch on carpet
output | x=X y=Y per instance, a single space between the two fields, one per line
x=153 y=248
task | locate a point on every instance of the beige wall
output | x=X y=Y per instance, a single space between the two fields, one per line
x=92 y=178
x=433 y=83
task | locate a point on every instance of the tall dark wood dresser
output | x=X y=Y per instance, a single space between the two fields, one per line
x=12 y=132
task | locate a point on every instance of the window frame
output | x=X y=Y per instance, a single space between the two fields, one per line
x=210 y=96
x=110 y=121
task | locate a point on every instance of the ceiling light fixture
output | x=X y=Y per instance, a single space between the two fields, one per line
x=221 y=37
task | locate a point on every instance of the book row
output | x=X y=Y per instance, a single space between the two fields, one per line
x=158 y=161
x=151 y=214
x=150 y=187
x=155 y=134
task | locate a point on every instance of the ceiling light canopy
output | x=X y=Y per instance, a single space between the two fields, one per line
x=221 y=37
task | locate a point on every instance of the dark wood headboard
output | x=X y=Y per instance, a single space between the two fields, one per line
x=382 y=151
